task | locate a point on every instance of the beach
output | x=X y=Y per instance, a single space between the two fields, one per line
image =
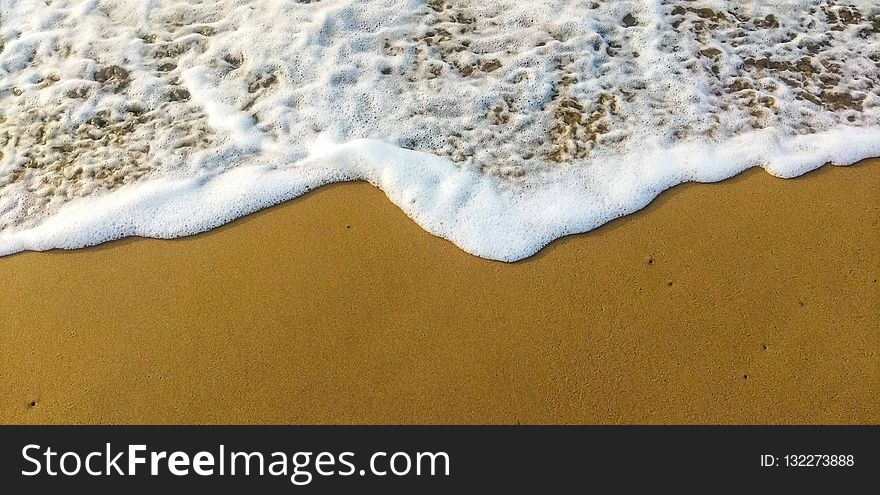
x=753 y=300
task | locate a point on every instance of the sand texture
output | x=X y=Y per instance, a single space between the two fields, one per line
x=751 y=300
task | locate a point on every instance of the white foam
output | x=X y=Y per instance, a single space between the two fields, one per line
x=498 y=125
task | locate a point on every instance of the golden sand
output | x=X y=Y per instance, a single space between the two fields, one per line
x=752 y=300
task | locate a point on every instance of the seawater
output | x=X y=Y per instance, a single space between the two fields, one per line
x=497 y=124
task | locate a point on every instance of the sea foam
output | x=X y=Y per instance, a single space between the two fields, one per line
x=499 y=125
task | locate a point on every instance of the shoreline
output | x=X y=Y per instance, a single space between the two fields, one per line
x=752 y=300
x=449 y=202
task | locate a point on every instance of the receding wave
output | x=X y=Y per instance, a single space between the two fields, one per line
x=497 y=124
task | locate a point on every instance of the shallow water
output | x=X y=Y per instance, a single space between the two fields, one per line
x=500 y=125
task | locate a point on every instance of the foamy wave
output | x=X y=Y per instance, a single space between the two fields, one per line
x=499 y=125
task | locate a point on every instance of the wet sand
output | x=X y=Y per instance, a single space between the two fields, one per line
x=751 y=300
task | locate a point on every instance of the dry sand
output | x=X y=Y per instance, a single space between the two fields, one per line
x=753 y=300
